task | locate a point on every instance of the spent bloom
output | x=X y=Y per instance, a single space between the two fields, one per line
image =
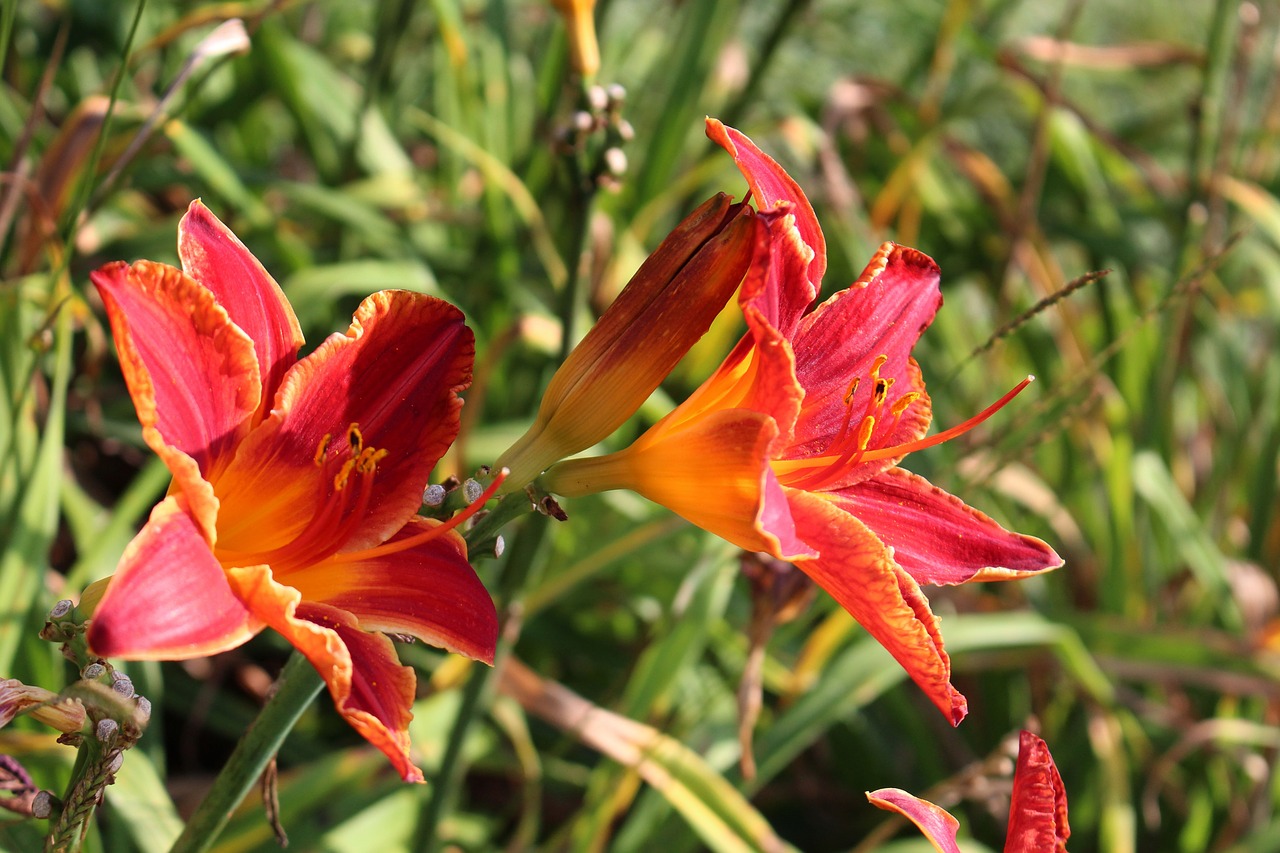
x=296 y=483
x=62 y=713
x=1037 y=811
x=792 y=446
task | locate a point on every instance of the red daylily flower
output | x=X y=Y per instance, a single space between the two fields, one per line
x=295 y=483
x=791 y=447
x=1037 y=812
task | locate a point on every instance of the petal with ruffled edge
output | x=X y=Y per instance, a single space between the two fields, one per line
x=770 y=184
x=712 y=470
x=937 y=537
x=216 y=258
x=169 y=598
x=935 y=822
x=882 y=313
x=190 y=370
x=370 y=688
x=428 y=591
x=1038 y=811
x=858 y=570
x=396 y=373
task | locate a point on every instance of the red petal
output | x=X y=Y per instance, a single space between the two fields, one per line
x=1038 y=812
x=191 y=372
x=771 y=184
x=396 y=373
x=216 y=258
x=368 y=685
x=169 y=598
x=859 y=572
x=883 y=313
x=937 y=537
x=429 y=592
x=935 y=822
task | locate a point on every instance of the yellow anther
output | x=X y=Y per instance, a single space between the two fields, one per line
x=322 y=449
x=880 y=362
x=882 y=391
x=355 y=439
x=865 y=428
x=853 y=389
x=340 y=479
x=900 y=405
x=369 y=458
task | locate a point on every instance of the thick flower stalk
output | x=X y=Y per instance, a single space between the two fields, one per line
x=1037 y=811
x=296 y=483
x=665 y=308
x=791 y=447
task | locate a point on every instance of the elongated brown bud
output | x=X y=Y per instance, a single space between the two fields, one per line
x=665 y=308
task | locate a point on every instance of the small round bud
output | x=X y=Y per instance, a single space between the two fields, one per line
x=598 y=98
x=615 y=159
x=499 y=545
x=472 y=490
x=117 y=761
x=42 y=805
x=93 y=671
x=433 y=495
x=122 y=684
x=143 y=710
x=62 y=608
x=625 y=131
x=106 y=729
x=583 y=121
x=617 y=94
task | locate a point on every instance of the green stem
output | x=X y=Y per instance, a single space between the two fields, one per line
x=509 y=588
x=297 y=686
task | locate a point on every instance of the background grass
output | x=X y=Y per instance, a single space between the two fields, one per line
x=358 y=146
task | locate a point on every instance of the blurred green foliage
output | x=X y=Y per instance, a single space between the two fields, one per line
x=359 y=146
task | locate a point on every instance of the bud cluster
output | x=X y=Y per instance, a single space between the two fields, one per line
x=100 y=714
x=597 y=132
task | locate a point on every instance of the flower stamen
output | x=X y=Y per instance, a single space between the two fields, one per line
x=388 y=548
x=818 y=472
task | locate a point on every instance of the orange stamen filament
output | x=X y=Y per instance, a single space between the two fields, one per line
x=818 y=472
x=414 y=541
x=947 y=435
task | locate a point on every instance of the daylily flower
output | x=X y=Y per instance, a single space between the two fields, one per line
x=791 y=447
x=1037 y=812
x=666 y=307
x=295 y=483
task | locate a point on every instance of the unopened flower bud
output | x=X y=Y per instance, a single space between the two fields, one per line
x=472 y=490
x=499 y=545
x=625 y=131
x=106 y=729
x=615 y=160
x=62 y=608
x=665 y=308
x=42 y=805
x=583 y=121
x=122 y=684
x=598 y=98
x=434 y=494
x=579 y=20
x=116 y=762
x=93 y=671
